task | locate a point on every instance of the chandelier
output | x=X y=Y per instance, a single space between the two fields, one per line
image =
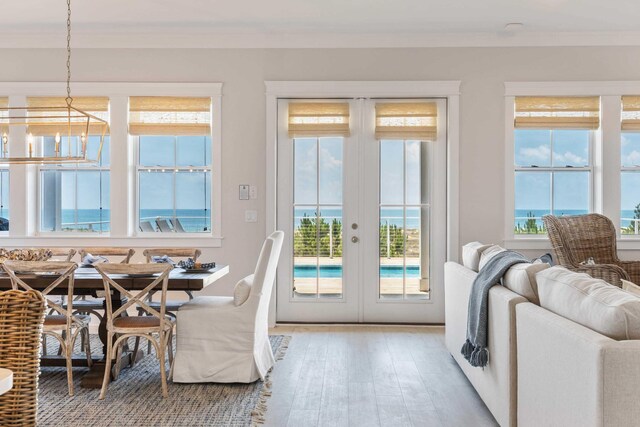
x=70 y=128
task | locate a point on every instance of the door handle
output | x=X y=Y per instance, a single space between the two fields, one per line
x=354 y=226
x=355 y=239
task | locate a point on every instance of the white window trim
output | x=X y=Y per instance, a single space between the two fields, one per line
x=24 y=179
x=605 y=162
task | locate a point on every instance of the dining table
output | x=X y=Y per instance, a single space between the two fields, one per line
x=87 y=281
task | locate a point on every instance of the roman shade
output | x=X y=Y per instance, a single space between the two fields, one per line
x=318 y=119
x=631 y=113
x=169 y=115
x=407 y=120
x=48 y=115
x=555 y=112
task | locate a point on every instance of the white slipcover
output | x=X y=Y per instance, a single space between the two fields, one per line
x=220 y=342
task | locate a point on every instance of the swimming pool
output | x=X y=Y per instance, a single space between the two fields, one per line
x=335 y=271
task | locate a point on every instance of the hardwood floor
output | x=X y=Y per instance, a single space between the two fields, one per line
x=371 y=376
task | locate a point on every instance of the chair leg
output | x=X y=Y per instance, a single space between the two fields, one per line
x=118 y=366
x=161 y=355
x=136 y=346
x=107 y=367
x=87 y=346
x=44 y=345
x=170 y=347
x=68 y=352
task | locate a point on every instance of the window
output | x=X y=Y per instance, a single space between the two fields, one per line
x=553 y=141
x=174 y=163
x=73 y=197
x=4 y=199
x=630 y=164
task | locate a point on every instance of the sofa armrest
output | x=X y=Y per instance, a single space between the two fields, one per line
x=570 y=375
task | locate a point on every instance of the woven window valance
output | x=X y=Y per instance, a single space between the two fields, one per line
x=554 y=112
x=48 y=115
x=631 y=113
x=318 y=119
x=169 y=115
x=411 y=120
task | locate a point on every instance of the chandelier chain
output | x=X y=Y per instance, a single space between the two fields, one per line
x=69 y=98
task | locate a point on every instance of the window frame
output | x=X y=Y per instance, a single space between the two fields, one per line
x=24 y=185
x=606 y=153
x=135 y=139
x=552 y=169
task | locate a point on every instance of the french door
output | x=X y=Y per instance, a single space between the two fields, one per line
x=364 y=214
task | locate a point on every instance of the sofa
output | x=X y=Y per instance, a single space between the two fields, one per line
x=564 y=348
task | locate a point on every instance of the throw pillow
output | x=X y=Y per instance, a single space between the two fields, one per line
x=489 y=253
x=590 y=302
x=521 y=279
x=471 y=255
x=242 y=290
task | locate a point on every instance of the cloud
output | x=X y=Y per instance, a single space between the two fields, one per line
x=541 y=152
x=631 y=159
x=569 y=158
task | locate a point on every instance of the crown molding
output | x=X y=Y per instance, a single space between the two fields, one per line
x=182 y=39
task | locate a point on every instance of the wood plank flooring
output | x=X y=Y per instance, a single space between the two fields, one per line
x=371 y=376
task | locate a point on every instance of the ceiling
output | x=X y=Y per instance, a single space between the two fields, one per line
x=320 y=23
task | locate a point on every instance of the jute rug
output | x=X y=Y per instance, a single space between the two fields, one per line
x=135 y=399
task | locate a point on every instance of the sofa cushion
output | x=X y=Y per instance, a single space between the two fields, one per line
x=521 y=279
x=592 y=303
x=489 y=253
x=471 y=255
x=630 y=287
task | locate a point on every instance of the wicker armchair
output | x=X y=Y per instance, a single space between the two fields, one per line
x=21 y=319
x=576 y=238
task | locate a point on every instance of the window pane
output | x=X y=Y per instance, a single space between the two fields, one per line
x=532 y=201
x=194 y=151
x=570 y=193
x=4 y=199
x=305 y=171
x=532 y=147
x=330 y=166
x=630 y=202
x=157 y=151
x=156 y=196
x=305 y=253
x=193 y=201
x=571 y=147
x=93 y=144
x=630 y=149
x=391 y=172
x=75 y=200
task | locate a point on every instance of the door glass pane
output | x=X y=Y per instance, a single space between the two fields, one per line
x=317 y=234
x=403 y=236
x=4 y=199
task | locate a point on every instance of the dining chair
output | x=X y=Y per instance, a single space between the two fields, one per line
x=226 y=339
x=163 y=225
x=123 y=327
x=93 y=306
x=65 y=253
x=21 y=318
x=172 y=306
x=63 y=326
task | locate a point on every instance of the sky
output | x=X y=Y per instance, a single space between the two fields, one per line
x=330 y=152
x=156 y=188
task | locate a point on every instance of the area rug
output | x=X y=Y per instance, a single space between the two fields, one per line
x=135 y=399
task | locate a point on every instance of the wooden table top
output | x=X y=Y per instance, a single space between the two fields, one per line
x=88 y=279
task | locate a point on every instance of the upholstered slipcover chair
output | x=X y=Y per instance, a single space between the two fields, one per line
x=221 y=342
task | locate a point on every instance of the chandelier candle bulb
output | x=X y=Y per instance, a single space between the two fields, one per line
x=30 y=141
x=57 y=149
x=5 y=142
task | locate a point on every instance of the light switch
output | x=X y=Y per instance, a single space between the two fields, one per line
x=244 y=192
x=250 y=216
x=253 y=192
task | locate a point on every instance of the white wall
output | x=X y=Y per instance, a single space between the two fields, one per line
x=243 y=72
